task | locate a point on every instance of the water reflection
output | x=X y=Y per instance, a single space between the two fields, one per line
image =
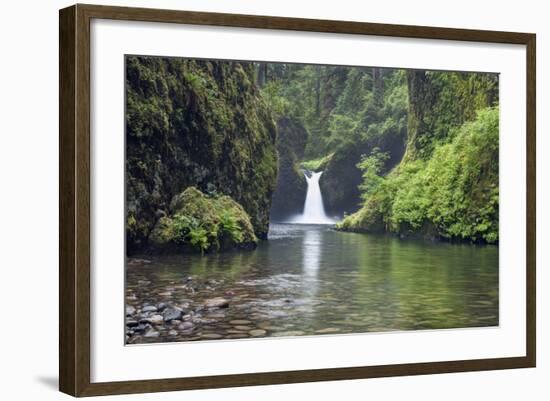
x=314 y=280
x=311 y=253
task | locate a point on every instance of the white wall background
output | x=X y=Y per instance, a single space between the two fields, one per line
x=29 y=185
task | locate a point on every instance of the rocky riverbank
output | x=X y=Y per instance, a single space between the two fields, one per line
x=191 y=309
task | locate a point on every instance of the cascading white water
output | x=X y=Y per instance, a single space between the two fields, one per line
x=314 y=210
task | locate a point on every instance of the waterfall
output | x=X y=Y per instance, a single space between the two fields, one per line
x=314 y=210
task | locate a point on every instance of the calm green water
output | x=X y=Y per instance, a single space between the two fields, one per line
x=314 y=280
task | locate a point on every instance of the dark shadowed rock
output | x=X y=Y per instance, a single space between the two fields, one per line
x=172 y=314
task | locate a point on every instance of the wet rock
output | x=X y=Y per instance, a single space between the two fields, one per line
x=172 y=314
x=243 y=328
x=131 y=323
x=217 y=302
x=156 y=319
x=237 y=336
x=172 y=333
x=257 y=332
x=149 y=308
x=152 y=333
x=233 y=331
x=186 y=326
x=211 y=336
x=130 y=310
x=161 y=306
x=240 y=322
x=139 y=328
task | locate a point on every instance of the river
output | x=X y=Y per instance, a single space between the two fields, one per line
x=312 y=280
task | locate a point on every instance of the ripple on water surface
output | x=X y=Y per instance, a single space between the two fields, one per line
x=312 y=280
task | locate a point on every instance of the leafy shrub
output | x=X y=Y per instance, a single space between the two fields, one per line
x=455 y=191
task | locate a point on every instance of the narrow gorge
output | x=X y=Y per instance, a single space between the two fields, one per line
x=280 y=199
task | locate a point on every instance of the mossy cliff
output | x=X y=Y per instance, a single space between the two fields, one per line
x=197 y=222
x=446 y=185
x=291 y=188
x=441 y=101
x=195 y=123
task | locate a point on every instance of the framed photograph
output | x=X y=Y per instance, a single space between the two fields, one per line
x=250 y=200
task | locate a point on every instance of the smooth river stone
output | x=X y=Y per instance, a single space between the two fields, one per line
x=264 y=325
x=216 y=303
x=186 y=326
x=328 y=330
x=257 y=332
x=237 y=336
x=156 y=319
x=211 y=336
x=239 y=322
x=243 y=328
x=152 y=333
x=231 y=331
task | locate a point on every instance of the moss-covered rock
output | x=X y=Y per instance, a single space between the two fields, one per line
x=290 y=193
x=195 y=123
x=201 y=223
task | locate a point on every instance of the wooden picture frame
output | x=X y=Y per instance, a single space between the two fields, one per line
x=74 y=203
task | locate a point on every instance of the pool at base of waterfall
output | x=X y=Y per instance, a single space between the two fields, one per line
x=311 y=280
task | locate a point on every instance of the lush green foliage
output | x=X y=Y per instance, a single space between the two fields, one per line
x=408 y=151
x=317 y=164
x=440 y=101
x=453 y=194
x=372 y=168
x=203 y=223
x=195 y=123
